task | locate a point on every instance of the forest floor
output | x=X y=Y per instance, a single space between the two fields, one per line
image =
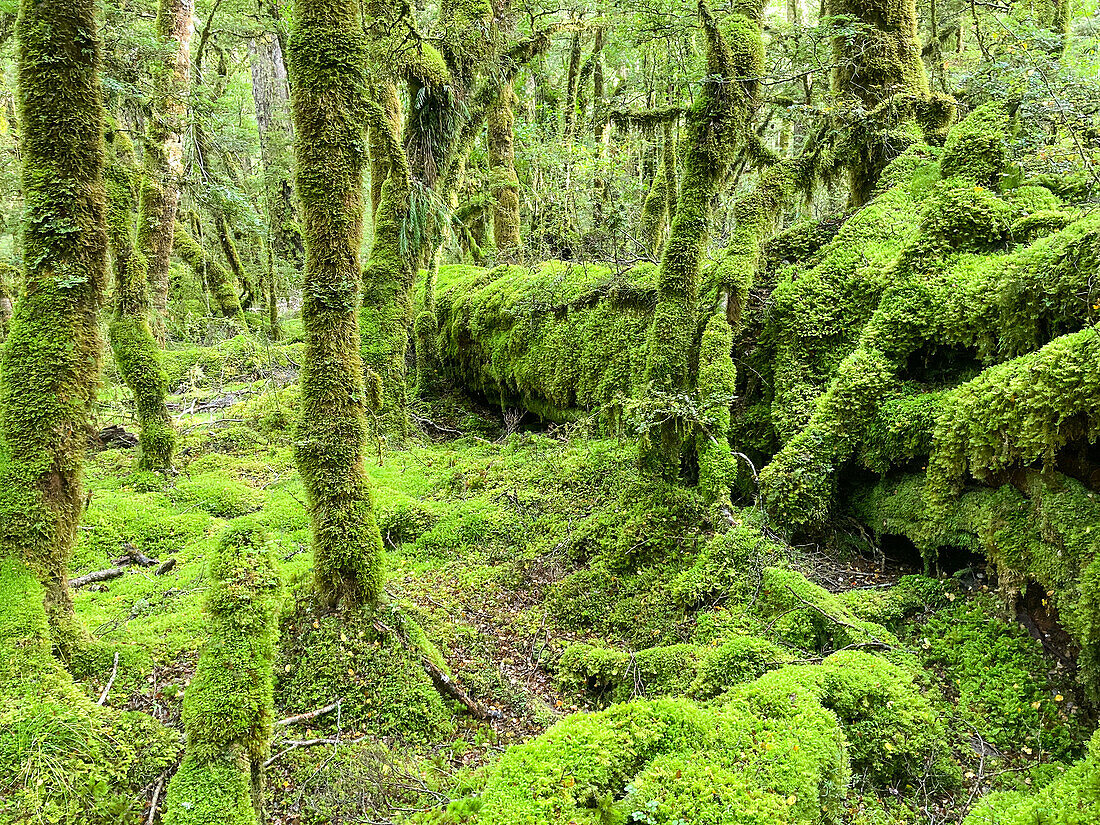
x=530 y=560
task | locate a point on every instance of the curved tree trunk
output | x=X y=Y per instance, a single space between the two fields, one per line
x=52 y=356
x=164 y=153
x=716 y=125
x=328 y=57
x=223 y=286
x=135 y=350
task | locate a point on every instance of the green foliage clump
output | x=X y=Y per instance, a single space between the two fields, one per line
x=1072 y=799
x=893 y=733
x=669 y=760
x=1000 y=677
x=698 y=671
x=228 y=707
x=218 y=494
x=808 y=616
x=977 y=148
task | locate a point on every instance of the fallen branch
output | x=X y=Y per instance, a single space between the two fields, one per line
x=110 y=682
x=442 y=682
x=97 y=576
x=305 y=717
x=164 y=568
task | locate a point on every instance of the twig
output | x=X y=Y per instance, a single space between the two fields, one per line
x=156 y=797
x=304 y=717
x=110 y=682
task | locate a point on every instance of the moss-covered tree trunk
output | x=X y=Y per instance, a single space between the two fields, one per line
x=163 y=158
x=135 y=350
x=327 y=60
x=223 y=286
x=387 y=287
x=228 y=709
x=878 y=58
x=52 y=356
x=6 y=305
x=504 y=185
x=716 y=124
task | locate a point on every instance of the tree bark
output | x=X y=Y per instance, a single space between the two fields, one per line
x=132 y=342
x=52 y=357
x=271 y=96
x=163 y=162
x=504 y=185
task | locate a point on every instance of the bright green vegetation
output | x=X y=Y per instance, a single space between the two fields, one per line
x=331 y=437
x=227 y=712
x=748 y=476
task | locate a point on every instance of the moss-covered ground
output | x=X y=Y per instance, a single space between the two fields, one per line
x=639 y=657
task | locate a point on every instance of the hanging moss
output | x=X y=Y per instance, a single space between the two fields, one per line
x=52 y=356
x=715 y=125
x=223 y=286
x=228 y=707
x=132 y=343
x=327 y=59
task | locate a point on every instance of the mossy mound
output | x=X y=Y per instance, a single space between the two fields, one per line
x=371 y=664
x=65 y=759
x=778 y=750
x=1072 y=799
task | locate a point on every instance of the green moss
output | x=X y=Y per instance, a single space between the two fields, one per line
x=382 y=686
x=699 y=671
x=715 y=126
x=327 y=61
x=63 y=756
x=1072 y=799
x=223 y=286
x=977 y=149
x=670 y=759
x=228 y=706
x=219 y=495
x=892 y=731
x=879 y=55
x=51 y=358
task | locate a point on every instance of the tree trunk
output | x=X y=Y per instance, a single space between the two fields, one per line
x=504 y=185
x=716 y=125
x=222 y=284
x=164 y=153
x=328 y=73
x=52 y=357
x=135 y=350
x=271 y=97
